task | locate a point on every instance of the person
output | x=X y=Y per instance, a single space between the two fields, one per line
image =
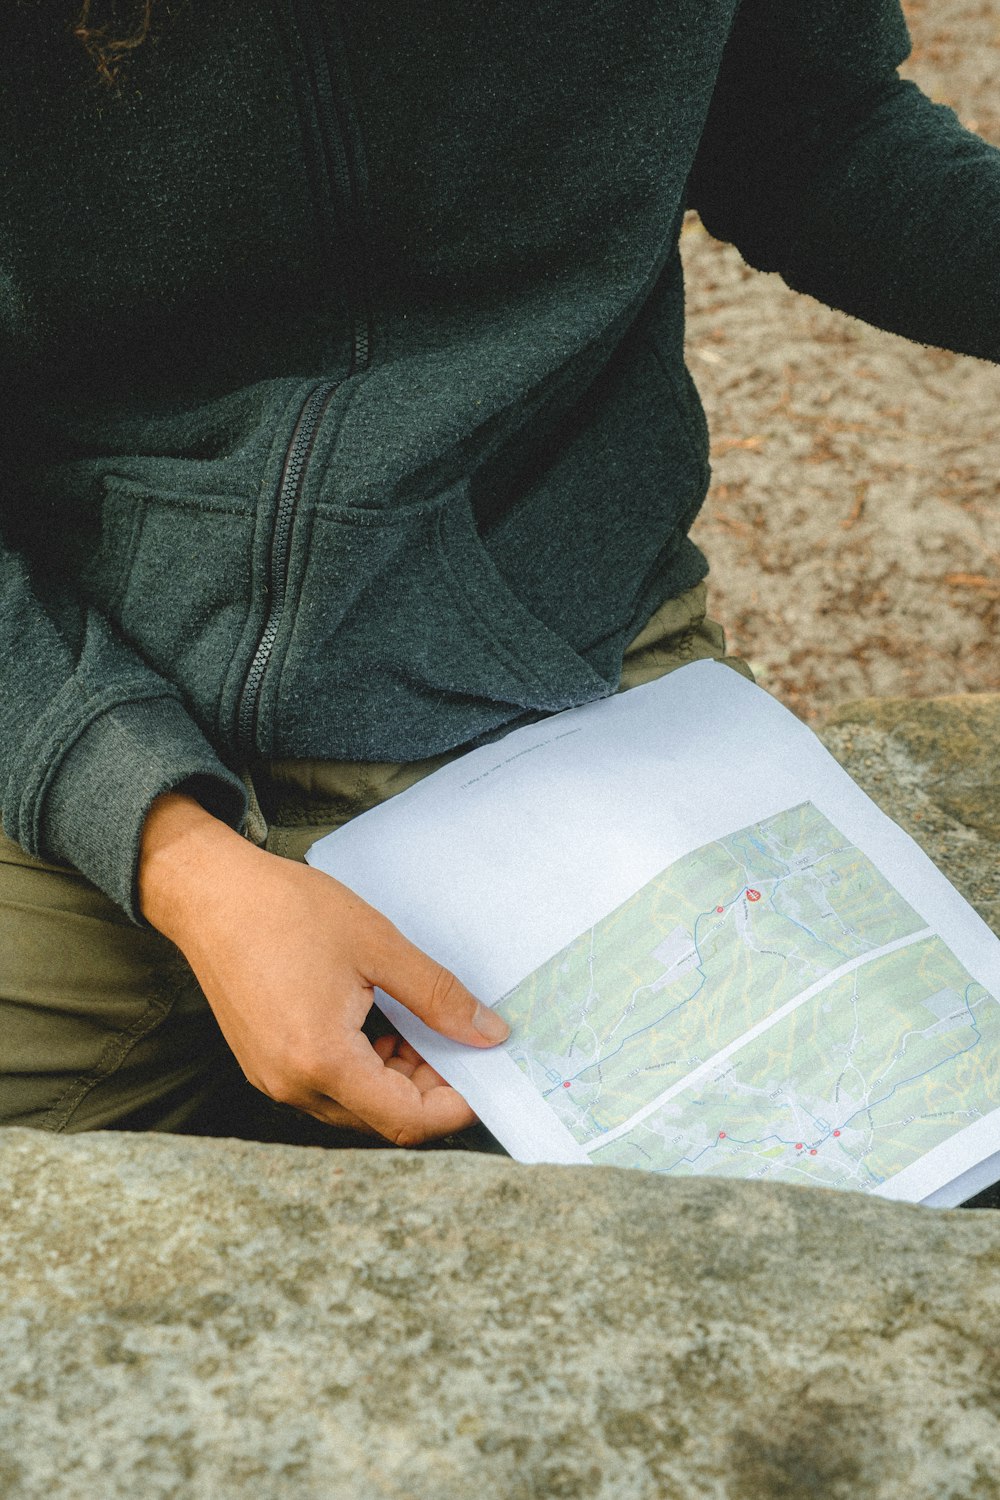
x=348 y=427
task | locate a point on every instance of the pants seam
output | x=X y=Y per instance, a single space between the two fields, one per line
x=114 y=1053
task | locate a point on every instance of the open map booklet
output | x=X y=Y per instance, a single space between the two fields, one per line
x=716 y=955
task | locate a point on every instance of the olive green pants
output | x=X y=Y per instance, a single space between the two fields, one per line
x=102 y=1023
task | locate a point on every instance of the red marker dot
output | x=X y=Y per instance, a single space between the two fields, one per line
x=753 y=895
x=566 y=1083
x=722 y=1135
x=812 y=1151
x=720 y=908
x=798 y=1145
x=836 y=1132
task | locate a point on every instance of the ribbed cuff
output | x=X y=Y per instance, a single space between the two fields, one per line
x=95 y=802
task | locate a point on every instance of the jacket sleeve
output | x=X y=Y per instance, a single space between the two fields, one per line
x=819 y=162
x=89 y=735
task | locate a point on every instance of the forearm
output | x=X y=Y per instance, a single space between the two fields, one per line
x=184 y=850
x=850 y=182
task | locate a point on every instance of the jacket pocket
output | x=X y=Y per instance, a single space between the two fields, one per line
x=172 y=571
x=407 y=641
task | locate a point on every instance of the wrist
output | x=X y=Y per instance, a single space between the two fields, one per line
x=180 y=843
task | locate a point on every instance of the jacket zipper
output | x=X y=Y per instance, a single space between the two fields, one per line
x=333 y=136
x=292 y=478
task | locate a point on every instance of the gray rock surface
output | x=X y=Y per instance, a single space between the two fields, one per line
x=208 y=1319
x=933 y=764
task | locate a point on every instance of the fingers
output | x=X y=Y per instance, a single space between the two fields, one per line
x=335 y=1114
x=433 y=993
x=391 y=1045
x=397 y=1053
x=407 y=1104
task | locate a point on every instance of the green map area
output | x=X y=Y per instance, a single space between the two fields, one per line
x=848 y=1089
x=708 y=949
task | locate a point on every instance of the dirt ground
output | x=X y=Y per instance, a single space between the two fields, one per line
x=853 y=524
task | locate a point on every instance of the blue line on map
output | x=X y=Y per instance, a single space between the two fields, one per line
x=665 y=1016
x=905 y=1082
x=573 y=1077
x=815 y=937
x=765 y=1140
x=821 y=1140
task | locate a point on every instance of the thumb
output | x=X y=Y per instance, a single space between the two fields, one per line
x=433 y=993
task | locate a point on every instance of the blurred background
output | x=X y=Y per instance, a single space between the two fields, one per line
x=853 y=525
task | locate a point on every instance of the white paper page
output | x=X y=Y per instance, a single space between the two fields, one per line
x=847 y=990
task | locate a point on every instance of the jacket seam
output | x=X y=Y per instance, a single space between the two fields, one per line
x=527 y=677
x=150 y=494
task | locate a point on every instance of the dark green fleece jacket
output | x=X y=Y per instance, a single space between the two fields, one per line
x=341 y=354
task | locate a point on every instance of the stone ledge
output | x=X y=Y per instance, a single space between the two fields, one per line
x=205 y=1319
x=933 y=764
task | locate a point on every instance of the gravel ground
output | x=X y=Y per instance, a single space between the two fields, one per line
x=853 y=524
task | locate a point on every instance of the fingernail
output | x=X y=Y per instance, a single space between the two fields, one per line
x=493 y=1027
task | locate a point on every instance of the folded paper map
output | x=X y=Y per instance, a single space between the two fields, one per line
x=716 y=955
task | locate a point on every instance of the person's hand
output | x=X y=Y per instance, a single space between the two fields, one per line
x=288 y=959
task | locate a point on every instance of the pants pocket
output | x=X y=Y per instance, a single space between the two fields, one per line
x=99 y=1019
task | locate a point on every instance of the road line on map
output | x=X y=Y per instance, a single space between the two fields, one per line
x=705 y=1070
